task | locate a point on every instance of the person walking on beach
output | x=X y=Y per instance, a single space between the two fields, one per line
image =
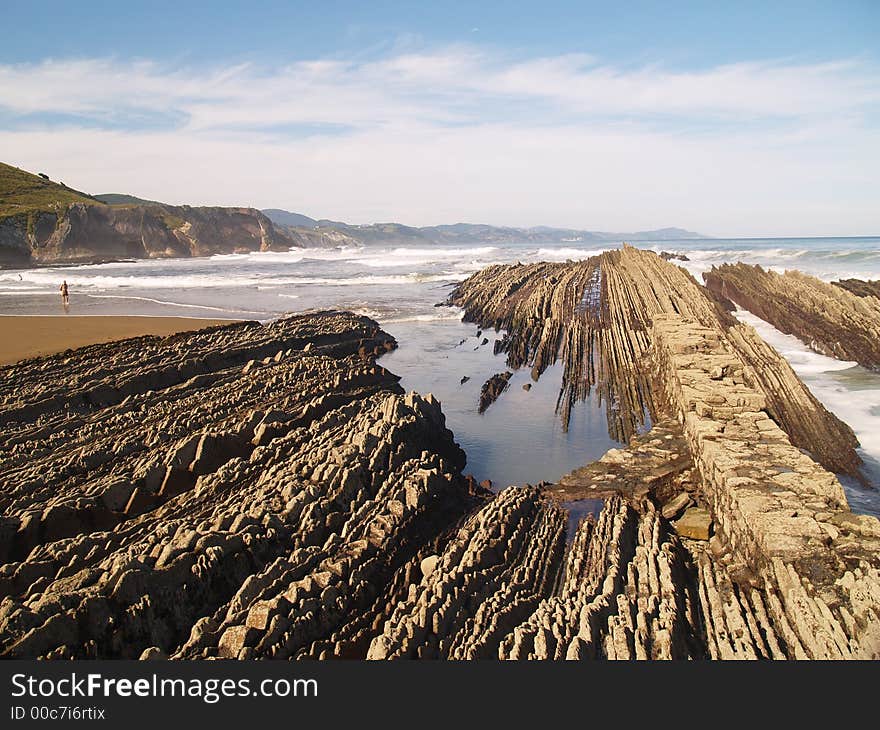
x=65 y=294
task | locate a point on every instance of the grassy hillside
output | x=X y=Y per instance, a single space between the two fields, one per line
x=286 y=218
x=23 y=192
x=123 y=199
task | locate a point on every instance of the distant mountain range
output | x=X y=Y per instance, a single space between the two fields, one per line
x=466 y=233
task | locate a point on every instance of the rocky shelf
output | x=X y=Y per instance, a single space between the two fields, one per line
x=269 y=491
x=859 y=287
x=841 y=321
x=596 y=317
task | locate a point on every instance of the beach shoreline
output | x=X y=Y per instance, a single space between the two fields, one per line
x=27 y=336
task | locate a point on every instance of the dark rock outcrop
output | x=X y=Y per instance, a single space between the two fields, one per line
x=860 y=287
x=268 y=491
x=493 y=388
x=168 y=501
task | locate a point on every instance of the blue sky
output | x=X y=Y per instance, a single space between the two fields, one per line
x=728 y=118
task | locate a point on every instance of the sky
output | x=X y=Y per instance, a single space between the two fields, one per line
x=730 y=119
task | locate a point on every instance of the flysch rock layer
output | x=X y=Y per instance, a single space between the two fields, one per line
x=268 y=491
x=814 y=564
x=249 y=491
x=859 y=287
x=840 y=321
x=596 y=317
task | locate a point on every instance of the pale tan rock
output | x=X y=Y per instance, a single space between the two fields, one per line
x=695 y=523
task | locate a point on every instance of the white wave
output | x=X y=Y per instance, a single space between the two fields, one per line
x=566 y=253
x=825 y=264
x=443 y=314
x=473 y=265
x=803 y=360
x=367 y=312
x=170 y=303
x=47 y=281
x=50 y=280
x=829 y=380
x=371 y=280
x=291 y=256
x=406 y=256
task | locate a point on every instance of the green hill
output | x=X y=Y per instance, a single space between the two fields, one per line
x=22 y=193
x=123 y=199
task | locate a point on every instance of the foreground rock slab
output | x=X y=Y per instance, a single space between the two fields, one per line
x=249 y=491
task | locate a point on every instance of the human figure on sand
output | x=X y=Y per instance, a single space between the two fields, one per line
x=65 y=294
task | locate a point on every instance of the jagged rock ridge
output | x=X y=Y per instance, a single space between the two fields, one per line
x=166 y=510
x=840 y=321
x=596 y=317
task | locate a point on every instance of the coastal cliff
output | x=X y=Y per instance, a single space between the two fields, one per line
x=94 y=233
x=42 y=222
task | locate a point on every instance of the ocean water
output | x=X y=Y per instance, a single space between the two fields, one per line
x=518 y=440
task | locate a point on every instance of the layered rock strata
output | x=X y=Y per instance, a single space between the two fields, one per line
x=492 y=389
x=859 y=287
x=658 y=463
x=596 y=317
x=815 y=564
x=269 y=492
x=840 y=321
x=286 y=476
x=82 y=232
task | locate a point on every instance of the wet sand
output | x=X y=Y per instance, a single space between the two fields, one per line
x=22 y=337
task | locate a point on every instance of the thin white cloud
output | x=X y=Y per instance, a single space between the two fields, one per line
x=463 y=134
x=414 y=86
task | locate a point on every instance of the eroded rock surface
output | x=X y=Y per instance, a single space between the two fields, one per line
x=493 y=388
x=840 y=321
x=596 y=317
x=815 y=564
x=167 y=504
x=859 y=287
x=269 y=492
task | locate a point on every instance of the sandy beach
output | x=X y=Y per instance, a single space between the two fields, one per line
x=26 y=336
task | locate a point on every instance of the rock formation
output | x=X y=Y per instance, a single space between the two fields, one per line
x=493 y=388
x=596 y=317
x=812 y=565
x=770 y=563
x=859 y=287
x=180 y=486
x=268 y=491
x=839 y=321
x=46 y=222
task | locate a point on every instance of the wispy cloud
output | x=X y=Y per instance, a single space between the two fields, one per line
x=464 y=133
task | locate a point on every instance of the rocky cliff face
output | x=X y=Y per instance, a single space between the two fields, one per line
x=84 y=232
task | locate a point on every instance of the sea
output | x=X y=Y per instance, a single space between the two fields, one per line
x=519 y=439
